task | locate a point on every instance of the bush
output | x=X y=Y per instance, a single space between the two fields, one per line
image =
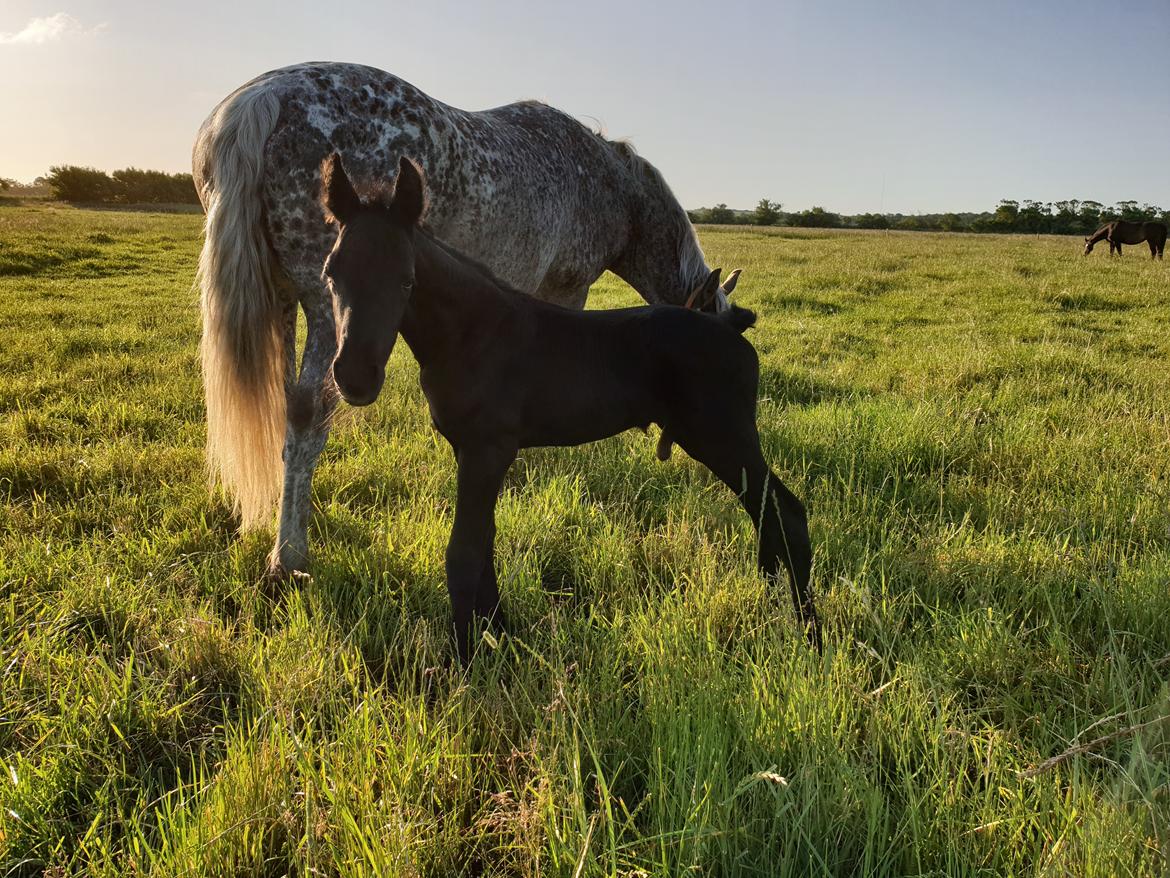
x=134 y=186
x=127 y=186
x=74 y=183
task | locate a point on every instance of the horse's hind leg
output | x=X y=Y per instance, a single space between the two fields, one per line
x=733 y=454
x=311 y=400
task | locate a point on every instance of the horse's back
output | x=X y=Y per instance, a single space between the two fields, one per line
x=523 y=187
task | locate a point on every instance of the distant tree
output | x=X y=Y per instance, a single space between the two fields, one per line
x=909 y=224
x=74 y=183
x=872 y=221
x=1034 y=216
x=767 y=213
x=816 y=218
x=951 y=222
x=1064 y=219
x=1006 y=215
x=6 y=184
x=1089 y=217
x=721 y=214
x=1129 y=211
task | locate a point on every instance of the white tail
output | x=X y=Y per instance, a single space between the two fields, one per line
x=243 y=346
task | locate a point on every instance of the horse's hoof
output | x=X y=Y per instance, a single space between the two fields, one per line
x=277 y=579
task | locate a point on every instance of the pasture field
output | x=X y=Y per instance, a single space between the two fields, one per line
x=980 y=427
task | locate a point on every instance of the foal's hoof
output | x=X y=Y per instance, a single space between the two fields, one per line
x=812 y=631
x=663 y=449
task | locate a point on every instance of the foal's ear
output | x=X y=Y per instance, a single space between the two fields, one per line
x=338 y=197
x=732 y=280
x=410 y=192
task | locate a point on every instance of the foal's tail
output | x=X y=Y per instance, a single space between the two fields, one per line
x=243 y=347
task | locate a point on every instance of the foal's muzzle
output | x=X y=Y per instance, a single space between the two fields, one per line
x=358 y=385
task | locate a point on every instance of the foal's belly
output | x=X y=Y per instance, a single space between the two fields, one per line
x=579 y=432
x=582 y=406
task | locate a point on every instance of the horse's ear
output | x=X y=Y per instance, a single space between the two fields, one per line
x=338 y=197
x=410 y=192
x=732 y=280
x=704 y=293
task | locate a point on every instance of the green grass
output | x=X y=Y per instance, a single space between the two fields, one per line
x=980 y=428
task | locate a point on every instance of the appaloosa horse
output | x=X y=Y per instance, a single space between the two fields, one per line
x=545 y=202
x=502 y=371
x=1124 y=232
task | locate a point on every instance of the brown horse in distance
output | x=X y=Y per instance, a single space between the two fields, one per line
x=1124 y=232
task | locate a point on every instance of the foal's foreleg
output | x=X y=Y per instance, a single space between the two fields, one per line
x=311 y=399
x=471 y=579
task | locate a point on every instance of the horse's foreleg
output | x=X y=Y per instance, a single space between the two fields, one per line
x=311 y=399
x=471 y=582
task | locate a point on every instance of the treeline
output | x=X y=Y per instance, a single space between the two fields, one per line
x=1070 y=217
x=127 y=186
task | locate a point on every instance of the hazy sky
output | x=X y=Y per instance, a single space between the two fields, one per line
x=857 y=106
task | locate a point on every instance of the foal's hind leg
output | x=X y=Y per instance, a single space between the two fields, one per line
x=311 y=399
x=779 y=517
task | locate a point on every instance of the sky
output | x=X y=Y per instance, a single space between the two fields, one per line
x=855 y=106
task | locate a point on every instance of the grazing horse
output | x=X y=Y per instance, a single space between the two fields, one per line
x=544 y=201
x=502 y=371
x=1124 y=232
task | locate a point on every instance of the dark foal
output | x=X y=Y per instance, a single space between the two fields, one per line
x=1123 y=232
x=503 y=371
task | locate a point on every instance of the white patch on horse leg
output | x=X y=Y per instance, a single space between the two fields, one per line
x=310 y=403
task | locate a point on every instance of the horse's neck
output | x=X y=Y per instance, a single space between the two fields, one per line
x=451 y=300
x=662 y=259
x=1102 y=233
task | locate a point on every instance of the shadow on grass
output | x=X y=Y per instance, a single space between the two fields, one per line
x=790 y=387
